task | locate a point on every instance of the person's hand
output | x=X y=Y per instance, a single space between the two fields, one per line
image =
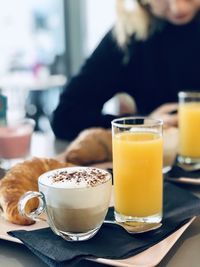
x=168 y=113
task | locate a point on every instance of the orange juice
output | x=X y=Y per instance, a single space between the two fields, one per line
x=137 y=165
x=189 y=125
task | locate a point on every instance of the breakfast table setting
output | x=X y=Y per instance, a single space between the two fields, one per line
x=175 y=242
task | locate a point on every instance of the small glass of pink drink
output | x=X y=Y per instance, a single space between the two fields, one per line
x=15 y=140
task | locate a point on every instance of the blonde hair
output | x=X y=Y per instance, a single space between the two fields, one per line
x=132 y=19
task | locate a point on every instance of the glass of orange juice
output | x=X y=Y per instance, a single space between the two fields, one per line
x=137 y=169
x=189 y=127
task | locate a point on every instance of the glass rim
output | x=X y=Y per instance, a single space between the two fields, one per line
x=152 y=122
x=189 y=94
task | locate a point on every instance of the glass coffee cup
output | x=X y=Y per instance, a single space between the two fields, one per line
x=75 y=200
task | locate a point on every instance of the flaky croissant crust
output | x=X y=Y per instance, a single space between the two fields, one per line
x=21 y=178
x=92 y=145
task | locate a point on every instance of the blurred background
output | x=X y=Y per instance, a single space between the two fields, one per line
x=43 y=43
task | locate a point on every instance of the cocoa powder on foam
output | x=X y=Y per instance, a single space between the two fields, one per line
x=91 y=176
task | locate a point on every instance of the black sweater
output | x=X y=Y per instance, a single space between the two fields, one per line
x=153 y=72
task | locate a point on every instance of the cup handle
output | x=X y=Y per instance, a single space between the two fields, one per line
x=34 y=215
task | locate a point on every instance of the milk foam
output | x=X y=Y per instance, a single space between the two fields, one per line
x=89 y=192
x=75 y=177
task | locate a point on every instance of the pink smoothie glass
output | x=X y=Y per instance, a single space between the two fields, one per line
x=15 y=140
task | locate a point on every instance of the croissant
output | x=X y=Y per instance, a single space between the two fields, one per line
x=21 y=178
x=91 y=146
x=94 y=145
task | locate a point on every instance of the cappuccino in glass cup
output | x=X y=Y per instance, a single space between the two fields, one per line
x=75 y=199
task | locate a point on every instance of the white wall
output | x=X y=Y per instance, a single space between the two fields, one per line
x=100 y=16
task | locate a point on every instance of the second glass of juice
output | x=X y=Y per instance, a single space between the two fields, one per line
x=189 y=127
x=137 y=169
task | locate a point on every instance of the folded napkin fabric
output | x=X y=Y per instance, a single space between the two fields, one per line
x=111 y=241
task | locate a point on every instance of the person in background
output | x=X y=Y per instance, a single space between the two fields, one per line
x=151 y=53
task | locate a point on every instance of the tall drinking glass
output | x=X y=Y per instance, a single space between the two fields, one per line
x=189 y=127
x=137 y=169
